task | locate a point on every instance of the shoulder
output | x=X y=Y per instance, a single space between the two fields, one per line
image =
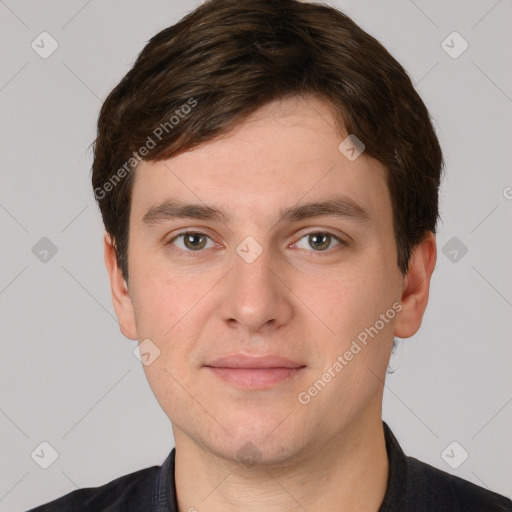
x=130 y=489
x=442 y=491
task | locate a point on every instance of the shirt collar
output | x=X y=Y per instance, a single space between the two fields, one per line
x=396 y=489
x=164 y=493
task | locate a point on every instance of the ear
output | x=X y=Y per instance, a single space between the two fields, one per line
x=416 y=285
x=120 y=295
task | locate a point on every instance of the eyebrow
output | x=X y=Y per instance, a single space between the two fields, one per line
x=340 y=207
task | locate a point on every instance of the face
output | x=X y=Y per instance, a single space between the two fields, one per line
x=269 y=276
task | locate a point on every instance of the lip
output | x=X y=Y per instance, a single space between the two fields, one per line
x=254 y=372
x=254 y=378
x=252 y=362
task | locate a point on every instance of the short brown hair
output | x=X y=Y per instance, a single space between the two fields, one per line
x=198 y=78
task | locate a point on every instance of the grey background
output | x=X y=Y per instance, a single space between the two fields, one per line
x=67 y=374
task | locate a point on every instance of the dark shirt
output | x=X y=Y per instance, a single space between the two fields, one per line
x=413 y=486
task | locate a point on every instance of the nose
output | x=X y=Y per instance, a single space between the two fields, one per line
x=256 y=296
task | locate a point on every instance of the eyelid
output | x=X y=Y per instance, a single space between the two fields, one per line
x=199 y=230
x=327 y=231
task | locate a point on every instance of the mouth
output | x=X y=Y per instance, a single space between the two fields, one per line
x=254 y=378
x=254 y=372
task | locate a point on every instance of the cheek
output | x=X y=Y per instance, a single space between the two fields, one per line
x=350 y=304
x=172 y=308
x=162 y=295
x=352 y=299
x=166 y=309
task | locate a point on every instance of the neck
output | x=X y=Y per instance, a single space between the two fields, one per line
x=348 y=472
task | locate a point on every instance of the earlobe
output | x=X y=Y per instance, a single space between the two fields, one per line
x=121 y=298
x=416 y=285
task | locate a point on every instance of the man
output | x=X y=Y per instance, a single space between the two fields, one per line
x=268 y=178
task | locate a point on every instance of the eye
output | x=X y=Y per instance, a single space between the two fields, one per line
x=320 y=241
x=193 y=241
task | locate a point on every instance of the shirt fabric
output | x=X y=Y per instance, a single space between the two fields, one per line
x=413 y=486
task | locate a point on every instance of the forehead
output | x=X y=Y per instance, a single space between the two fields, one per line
x=287 y=152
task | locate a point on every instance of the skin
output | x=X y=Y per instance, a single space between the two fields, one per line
x=295 y=300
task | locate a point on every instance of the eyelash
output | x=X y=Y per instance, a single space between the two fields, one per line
x=192 y=254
